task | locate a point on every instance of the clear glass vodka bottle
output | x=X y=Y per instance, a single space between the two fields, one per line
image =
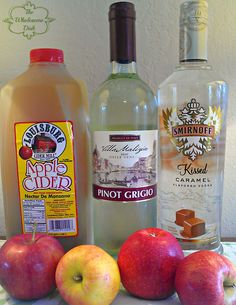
x=192 y=121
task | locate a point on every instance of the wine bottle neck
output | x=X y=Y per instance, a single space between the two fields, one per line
x=122 y=33
x=120 y=68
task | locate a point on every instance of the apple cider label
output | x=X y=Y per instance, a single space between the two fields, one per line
x=46 y=177
x=125 y=165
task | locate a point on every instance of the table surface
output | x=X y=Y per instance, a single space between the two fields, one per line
x=123 y=297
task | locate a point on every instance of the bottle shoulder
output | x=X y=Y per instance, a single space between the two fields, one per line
x=131 y=88
x=42 y=76
x=39 y=89
x=123 y=104
x=193 y=76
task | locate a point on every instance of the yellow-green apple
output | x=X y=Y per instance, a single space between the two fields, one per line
x=28 y=265
x=206 y=278
x=87 y=275
x=148 y=260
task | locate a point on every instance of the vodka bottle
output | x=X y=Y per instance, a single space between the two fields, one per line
x=192 y=121
x=124 y=132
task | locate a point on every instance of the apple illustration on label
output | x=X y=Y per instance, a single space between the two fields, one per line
x=28 y=264
x=25 y=152
x=148 y=260
x=88 y=275
x=206 y=278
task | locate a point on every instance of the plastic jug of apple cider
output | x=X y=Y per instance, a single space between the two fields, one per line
x=44 y=153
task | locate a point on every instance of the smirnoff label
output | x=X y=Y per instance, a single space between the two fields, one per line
x=46 y=177
x=125 y=165
x=189 y=191
x=193 y=128
x=190 y=134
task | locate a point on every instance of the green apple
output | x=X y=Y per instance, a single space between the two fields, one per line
x=88 y=275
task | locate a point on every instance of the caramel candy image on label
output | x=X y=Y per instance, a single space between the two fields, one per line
x=182 y=215
x=194 y=227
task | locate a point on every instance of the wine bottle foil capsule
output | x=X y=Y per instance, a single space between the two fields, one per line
x=122 y=32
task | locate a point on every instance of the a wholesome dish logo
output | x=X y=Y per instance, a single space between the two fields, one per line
x=42 y=142
x=28 y=20
x=193 y=128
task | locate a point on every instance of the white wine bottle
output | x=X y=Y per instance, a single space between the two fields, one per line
x=124 y=133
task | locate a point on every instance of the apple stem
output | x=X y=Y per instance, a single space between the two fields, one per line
x=230 y=285
x=152 y=234
x=34 y=231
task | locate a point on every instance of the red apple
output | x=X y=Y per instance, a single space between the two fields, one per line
x=206 y=278
x=25 y=152
x=148 y=260
x=27 y=267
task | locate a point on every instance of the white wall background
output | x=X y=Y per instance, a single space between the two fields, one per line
x=81 y=30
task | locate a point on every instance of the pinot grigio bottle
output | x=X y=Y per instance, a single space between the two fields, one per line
x=124 y=132
x=192 y=121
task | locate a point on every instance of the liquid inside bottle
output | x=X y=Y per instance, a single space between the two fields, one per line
x=45 y=152
x=192 y=122
x=124 y=133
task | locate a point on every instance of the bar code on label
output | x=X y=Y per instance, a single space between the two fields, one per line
x=61 y=225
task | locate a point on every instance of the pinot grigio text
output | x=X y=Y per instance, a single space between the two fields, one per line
x=124 y=194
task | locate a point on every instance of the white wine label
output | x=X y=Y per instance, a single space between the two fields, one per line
x=125 y=165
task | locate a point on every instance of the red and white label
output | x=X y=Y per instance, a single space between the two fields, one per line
x=125 y=165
